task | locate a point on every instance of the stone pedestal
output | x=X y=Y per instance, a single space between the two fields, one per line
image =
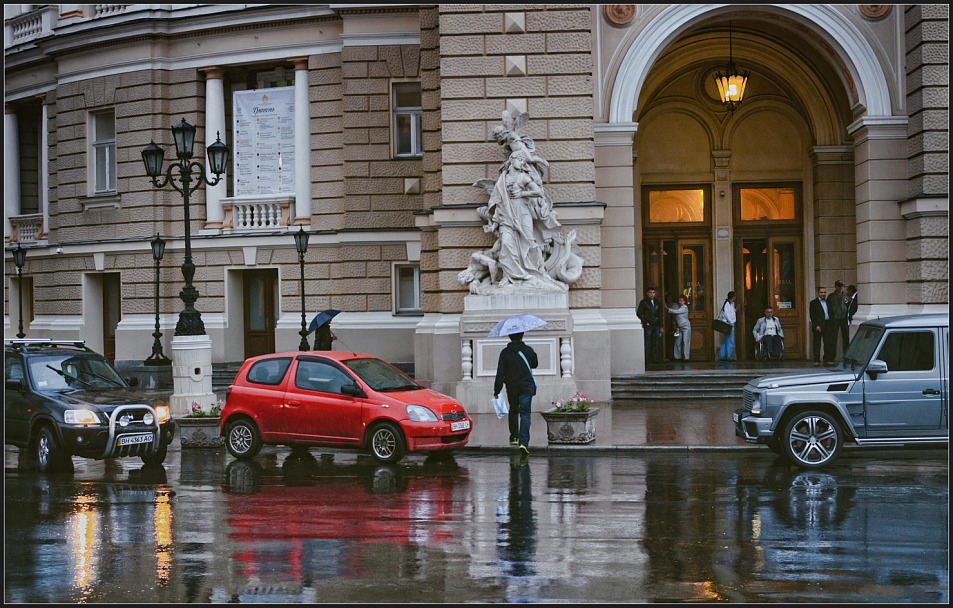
x=191 y=374
x=200 y=432
x=552 y=343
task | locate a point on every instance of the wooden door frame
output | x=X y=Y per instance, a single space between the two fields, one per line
x=272 y=280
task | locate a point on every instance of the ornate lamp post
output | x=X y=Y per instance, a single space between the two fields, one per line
x=157 y=357
x=731 y=83
x=301 y=244
x=19 y=258
x=190 y=321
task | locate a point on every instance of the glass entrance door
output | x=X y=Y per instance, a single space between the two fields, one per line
x=682 y=267
x=769 y=274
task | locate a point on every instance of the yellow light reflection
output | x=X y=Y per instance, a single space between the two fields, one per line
x=82 y=542
x=162 y=521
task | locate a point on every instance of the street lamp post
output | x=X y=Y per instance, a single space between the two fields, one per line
x=190 y=321
x=19 y=258
x=157 y=357
x=301 y=244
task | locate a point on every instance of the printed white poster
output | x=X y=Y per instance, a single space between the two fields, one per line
x=264 y=141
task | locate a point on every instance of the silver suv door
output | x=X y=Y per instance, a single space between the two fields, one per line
x=907 y=399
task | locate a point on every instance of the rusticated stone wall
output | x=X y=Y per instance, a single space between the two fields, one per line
x=525 y=58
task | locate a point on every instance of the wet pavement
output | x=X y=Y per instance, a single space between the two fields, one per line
x=637 y=526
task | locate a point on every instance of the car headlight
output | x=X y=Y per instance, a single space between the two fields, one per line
x=419 y=413
x=148 y=419
x=162 y=414
x=80 y=417
x=756 y=405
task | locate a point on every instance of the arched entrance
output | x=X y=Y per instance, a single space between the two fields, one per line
x=776 y=176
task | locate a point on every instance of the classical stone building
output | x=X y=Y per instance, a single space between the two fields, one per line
x=833 y=166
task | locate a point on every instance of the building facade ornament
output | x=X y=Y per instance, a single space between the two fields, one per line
x=874 y=12
x=620 y=15
x=531 y=251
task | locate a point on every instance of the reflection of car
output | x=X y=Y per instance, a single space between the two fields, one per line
x=63 y=399
x=890 y=388
x=337 y=399
x=310 y=520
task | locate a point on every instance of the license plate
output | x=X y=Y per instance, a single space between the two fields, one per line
x=462 y=425
x=736 y=417
x=135 y=439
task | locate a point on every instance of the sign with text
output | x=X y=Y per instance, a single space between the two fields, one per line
x=264 y=141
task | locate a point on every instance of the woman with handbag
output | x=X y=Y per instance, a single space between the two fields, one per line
x=728 y=315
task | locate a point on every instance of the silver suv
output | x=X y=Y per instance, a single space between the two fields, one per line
x=890 y=388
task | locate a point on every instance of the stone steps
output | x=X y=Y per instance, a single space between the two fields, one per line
x=682 y=385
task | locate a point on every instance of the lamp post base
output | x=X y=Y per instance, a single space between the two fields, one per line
x=191 y=374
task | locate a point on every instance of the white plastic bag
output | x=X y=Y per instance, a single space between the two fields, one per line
x=499 y=406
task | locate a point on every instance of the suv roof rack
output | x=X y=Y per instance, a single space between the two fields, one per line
x=25 y=343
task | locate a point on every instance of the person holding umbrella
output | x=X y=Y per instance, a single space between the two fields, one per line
x=515 y=370
x=321 y=325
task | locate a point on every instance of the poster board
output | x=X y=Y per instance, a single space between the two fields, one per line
x=263 y=134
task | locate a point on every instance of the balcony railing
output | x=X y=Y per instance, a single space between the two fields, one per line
x=27 y=228
x=245 y=215
x=30 y=26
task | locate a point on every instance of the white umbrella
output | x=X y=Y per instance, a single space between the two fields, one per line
x=516 y=325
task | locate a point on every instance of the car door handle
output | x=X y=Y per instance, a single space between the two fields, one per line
x=931 y=391
x=294 y=403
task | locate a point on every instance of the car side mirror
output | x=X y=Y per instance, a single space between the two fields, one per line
x=15 y=384
x=352 y=390
x=876 y=367
x=132 y=381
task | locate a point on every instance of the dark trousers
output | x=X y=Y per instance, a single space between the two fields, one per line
x=841 y=329
x=772 y=346
x=818 y=337
x=521 y=406
x=651 y=343
x=830 y=340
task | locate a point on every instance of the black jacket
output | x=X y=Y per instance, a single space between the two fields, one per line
x=511 y=370
x=647 y=314
x=852 y=308
x=817 y=314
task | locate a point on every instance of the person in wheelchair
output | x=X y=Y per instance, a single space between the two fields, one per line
x=768 y=336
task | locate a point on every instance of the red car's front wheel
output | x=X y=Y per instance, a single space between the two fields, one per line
x=387 y=443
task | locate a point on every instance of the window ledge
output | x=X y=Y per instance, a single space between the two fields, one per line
x=100 y=201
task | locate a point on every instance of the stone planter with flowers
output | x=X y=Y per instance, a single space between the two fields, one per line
x=572 y=422
x=200 y=428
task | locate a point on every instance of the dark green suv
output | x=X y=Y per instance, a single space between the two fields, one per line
x=62 y=399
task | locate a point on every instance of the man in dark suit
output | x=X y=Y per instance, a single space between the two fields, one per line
x=648 y=313
x=820 y=327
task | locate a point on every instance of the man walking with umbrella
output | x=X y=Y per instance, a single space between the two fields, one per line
x=515 y=370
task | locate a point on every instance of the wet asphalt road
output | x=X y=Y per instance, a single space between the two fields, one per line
x=647 y=526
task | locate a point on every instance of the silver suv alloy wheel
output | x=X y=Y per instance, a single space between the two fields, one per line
x=812 y=439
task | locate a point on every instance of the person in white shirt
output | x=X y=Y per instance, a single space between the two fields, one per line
x=768 y=329
x=728 y=314
x=683 y=341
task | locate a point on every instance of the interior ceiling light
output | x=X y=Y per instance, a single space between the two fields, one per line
x=731 y=83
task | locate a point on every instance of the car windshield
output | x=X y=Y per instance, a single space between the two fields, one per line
x=68 y=372
x=381 y=376
x=861 y=348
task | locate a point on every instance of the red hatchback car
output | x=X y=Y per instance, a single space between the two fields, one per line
x=337 y=399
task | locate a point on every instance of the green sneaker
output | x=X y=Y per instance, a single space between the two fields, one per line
x=524 y=449
x=514 y=442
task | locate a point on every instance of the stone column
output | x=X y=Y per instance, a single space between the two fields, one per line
x=11 y=169
x=722 y=253
x=880 y=182
x=302 y=210
x=621 y=251
x=834 y=255
x=43 y=184
x=214 y=128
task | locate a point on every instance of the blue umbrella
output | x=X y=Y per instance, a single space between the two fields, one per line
x=321 y=318
x=516 y=325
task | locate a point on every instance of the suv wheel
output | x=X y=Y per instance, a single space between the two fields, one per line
x=243 y=439
x=387 y=444
x=812 y=439
x=47 y=451
x=156 y=458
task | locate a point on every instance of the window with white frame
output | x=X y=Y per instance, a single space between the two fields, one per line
x=104 y=152
x=407 y=288
x=407 y=113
